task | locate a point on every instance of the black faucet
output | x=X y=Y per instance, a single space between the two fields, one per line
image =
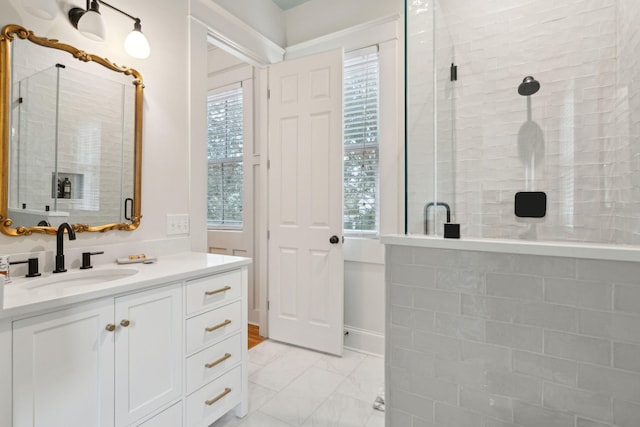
x=426 y=213
x=59 y=246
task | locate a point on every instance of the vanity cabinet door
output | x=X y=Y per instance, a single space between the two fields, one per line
x=63 y=368
x=148 y=365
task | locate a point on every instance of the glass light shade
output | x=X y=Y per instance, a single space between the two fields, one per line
x=91 y=25
x=45 y=9
x=136 y=45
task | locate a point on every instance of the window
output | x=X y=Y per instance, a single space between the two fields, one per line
x=361 y=87
x=225 y=151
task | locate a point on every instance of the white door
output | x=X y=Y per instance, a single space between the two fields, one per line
x=306 y=283
x=63 y=368
x=148 y=352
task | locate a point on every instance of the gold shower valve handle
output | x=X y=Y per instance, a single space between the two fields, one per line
x=125 y=323
x=111 y=327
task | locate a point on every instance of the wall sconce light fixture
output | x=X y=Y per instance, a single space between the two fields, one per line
x=90 y=23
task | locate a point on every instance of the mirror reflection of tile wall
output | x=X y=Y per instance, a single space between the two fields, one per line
x=71 y=124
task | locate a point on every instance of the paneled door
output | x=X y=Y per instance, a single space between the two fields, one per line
x=306 y=283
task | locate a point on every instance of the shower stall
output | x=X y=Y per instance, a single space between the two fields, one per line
x=530 y=98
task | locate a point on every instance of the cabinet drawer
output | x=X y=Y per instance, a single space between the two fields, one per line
x=211 y=291
x=215 y=399
x=210 y=363
x=170 y=417
x=213 y=326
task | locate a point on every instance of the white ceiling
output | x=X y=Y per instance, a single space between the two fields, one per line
x=288 y=4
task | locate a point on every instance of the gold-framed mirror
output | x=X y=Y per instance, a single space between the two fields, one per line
x=67 y=151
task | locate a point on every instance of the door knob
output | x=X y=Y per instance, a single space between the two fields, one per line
x=334 y=240
x=125 y=323
x=111 y=327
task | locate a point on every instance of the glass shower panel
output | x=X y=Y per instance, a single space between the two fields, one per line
x=445 y=72
x=420 y=117
x=577 y=138
x=34 y=118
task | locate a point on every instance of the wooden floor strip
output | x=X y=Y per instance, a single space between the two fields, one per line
x=254 y=336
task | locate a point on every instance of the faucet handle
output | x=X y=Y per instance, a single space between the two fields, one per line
x=33 y=266
x=86 y=259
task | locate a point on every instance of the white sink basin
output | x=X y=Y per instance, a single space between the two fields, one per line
x=80 y=278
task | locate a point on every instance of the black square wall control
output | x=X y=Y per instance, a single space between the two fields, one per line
x=531 y=204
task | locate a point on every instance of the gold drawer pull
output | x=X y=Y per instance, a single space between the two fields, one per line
x=217 y=291
x=217 y=362
x=221 y=325
x=111 y=327
x=218 y=397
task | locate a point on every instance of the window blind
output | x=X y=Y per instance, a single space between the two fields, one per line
x=225 y=150
x=361 y=115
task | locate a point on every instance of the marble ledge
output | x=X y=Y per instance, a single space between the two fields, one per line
x=16 y=300
x=521 y=247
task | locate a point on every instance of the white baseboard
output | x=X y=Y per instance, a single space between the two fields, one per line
x=364 y=341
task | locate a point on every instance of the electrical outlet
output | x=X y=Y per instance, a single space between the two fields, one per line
x=177 y=224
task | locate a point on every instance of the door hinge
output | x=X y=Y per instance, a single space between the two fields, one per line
x=268 y=234
x=268 y=305
x=454 y=72
x=268 y=93
x=268 y=164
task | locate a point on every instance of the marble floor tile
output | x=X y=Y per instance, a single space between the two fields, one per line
x=344 y=365
x=340 y=410
x=295 y=387
x=375 y=420
x=303 y=396
x=365 y=381
x=260 y=419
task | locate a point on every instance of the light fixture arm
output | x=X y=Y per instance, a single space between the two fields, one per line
x=116 y=9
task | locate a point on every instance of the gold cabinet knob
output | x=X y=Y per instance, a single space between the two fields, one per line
x=125 y=323
x=111 y=327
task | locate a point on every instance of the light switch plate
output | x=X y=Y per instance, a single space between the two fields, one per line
x=177 y=224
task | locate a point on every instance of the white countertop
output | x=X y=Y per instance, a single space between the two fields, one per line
x=22 y=298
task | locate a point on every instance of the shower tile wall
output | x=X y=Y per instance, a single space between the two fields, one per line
x=479 y=339
x=579 y=144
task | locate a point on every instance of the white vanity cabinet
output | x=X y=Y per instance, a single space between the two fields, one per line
x=166 y=348
x=216 y=347
x=117 y=358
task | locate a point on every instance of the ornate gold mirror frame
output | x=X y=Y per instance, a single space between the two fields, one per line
x=8 y=34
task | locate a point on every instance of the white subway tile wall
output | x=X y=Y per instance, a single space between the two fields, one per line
x=480 y=142
x=506 y=345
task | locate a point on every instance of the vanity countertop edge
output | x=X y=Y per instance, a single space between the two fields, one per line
x=19 y=302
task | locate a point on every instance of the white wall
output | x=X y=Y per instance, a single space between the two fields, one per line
x=165 y=164
x=317 y=18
